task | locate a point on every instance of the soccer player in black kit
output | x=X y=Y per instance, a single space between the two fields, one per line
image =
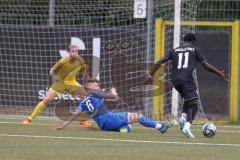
x=184 y=60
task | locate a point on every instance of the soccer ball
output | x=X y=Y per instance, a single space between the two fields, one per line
x=209 y=130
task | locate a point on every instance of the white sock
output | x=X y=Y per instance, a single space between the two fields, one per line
x=184 y=115
x=187 y=125
x=158 y=126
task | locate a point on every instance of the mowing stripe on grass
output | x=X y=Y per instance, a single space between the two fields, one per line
x=121 y=140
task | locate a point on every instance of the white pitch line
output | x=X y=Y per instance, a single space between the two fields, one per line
x=122 y=140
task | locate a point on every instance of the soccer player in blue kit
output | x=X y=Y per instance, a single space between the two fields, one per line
x=93 y=105
x=184 y=60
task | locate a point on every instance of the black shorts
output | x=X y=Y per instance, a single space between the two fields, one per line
x=187 y=90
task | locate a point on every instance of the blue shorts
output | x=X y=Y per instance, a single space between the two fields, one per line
x=112 y=121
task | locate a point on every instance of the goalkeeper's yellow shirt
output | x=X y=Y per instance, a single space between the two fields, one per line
x=67 y=70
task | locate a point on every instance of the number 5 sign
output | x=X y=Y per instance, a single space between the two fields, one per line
x=140 y=8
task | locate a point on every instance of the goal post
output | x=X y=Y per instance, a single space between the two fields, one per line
x=159 y=52
x=234 y=82
x=233 y=92
x=176 y=43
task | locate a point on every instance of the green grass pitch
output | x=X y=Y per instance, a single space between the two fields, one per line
x=40 y=141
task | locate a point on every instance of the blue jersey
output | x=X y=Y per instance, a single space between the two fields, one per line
x=94 y=106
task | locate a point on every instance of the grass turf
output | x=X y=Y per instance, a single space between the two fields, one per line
x=41 y=142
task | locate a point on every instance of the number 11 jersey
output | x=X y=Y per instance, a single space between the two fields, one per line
x=184 y=60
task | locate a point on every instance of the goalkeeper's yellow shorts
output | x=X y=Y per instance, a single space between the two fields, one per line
x=69 y=86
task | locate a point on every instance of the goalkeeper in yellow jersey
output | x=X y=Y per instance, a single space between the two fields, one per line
x=63 y=77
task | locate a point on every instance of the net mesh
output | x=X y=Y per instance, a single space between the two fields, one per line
x=35 y=34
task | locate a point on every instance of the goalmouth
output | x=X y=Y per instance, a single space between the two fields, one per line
x=233 y=27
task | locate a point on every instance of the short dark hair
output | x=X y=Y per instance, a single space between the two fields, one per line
x=93 y=81
x=190 y=37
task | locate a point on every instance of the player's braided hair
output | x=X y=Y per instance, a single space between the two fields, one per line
x=190 y=37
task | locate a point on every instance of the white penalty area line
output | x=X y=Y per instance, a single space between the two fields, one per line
x=121 y=140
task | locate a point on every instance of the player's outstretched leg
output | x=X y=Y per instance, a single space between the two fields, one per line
x=147 y=122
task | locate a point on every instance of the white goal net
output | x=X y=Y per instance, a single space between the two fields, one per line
x=116 y=39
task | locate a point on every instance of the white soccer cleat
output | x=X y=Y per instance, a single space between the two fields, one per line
x=182 y=121
x=186 y=131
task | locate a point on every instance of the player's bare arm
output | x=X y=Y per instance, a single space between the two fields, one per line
x=154 y=69
x=213 y=69
x=112 y=95
x=70 y=119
